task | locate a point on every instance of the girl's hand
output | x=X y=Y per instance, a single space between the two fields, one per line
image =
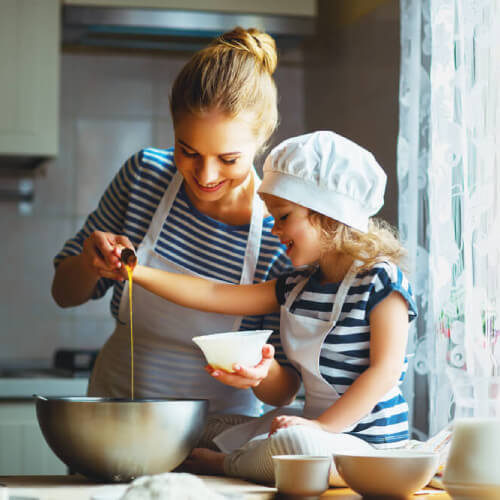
x=244 y=377
x=101 y=254
x=284 y=421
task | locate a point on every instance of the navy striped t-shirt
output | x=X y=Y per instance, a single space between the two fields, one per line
x=189 y=238
x=345 y=353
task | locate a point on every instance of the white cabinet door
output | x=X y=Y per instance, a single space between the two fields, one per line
x=23 y=450
x=29 y=76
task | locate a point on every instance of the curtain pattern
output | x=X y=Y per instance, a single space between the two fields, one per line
x=449 y=191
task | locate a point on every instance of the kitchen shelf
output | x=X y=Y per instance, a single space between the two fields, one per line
x=29 y=80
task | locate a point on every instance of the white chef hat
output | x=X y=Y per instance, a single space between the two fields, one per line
x=329 y=174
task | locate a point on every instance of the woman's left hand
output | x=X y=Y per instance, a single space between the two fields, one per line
x=284 y=421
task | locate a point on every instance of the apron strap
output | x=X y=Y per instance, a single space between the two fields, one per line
x=254 y=237
x=295 y=292
x=342 y=292
x=149 y=241
x=253 y=243
x=162 y=211
x=339 y=298
x=254 y=232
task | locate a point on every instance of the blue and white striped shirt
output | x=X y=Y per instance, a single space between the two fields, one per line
x=188 y=238
x=345 y=353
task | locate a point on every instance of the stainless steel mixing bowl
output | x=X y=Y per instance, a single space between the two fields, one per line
x=120 y=439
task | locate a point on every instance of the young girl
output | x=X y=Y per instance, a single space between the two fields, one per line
x=344 y=310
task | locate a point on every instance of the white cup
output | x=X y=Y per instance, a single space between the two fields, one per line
x=474 y=456
x=473 y=466
x=301 y=476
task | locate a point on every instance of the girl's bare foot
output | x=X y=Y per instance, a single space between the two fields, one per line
x=204 y=461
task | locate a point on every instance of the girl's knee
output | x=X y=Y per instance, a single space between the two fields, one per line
x=296 y=440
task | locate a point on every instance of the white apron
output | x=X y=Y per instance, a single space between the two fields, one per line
x=302 y=338
x=166 y=361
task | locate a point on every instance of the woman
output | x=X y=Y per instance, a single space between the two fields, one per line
x=191 y=209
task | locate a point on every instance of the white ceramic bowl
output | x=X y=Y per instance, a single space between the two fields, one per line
x=301 y=475
x=223 y=350
x=387 y=473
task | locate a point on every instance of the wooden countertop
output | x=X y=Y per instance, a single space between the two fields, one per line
x=76 y=487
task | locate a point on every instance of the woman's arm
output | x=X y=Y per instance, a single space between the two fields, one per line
x=206 y=295
x=388 y=338
x=89 y=255
x=70 y=272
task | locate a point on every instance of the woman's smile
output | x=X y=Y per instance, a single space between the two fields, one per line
x=210 y=187
x=214 y=153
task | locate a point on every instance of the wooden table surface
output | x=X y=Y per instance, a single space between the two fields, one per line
x=75 y=487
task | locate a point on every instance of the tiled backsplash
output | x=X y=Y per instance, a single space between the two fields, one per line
x=111 y=106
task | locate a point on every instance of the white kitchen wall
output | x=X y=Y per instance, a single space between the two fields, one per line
x=352 y=80
x=111 y=106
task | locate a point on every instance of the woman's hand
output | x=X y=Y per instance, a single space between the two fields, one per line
x=76 y=276
x=101 y=254
x=244 y=377
x=284 y=421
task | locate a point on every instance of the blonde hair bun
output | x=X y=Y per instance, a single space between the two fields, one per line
x=234 y=74
x=261 y=45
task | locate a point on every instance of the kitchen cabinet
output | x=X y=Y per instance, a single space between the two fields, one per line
x=23 y=449
x=284 y=7
x=29 y=77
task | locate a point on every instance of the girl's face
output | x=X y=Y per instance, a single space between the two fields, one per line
x=214 y=153
x=294 y=229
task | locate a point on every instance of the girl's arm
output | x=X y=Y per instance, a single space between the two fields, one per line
x=206 y=295
x=272 y=383
x=280 y=386
x=388 y=338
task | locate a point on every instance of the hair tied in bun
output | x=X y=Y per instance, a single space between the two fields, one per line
x=257 y=41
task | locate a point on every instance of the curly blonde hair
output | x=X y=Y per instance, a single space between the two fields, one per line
x=379 y=243
x=234 y=75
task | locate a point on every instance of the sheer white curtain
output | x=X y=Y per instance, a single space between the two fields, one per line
x=449 y=191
